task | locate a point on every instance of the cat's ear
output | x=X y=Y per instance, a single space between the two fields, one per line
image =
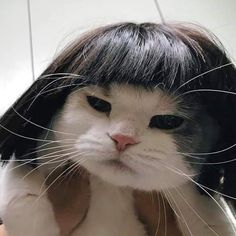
x=25 y=120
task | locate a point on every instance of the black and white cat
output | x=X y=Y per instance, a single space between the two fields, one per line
x=139 y=106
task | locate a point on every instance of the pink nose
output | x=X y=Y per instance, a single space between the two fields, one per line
x=123 y=141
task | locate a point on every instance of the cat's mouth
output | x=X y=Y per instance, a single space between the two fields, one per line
x=118 y=164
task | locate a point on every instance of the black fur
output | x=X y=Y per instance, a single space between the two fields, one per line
x=148 y=55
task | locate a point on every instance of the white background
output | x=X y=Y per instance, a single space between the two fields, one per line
x=56 y=22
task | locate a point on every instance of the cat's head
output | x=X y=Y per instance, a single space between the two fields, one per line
x=133 y=136
x=136 y=104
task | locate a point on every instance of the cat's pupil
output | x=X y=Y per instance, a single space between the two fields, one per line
x=166 y=122
x=99 y=104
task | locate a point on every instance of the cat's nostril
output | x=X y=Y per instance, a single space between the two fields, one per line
x=123 y=141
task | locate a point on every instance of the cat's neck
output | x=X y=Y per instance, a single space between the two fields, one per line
x=111 y=206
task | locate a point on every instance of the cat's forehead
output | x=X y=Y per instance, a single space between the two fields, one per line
x=130 y=96
x=141 y=97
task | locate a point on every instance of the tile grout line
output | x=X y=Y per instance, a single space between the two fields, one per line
x=31 y=39
x=159 y=11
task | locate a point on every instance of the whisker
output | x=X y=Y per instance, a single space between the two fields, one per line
x=208 y=90
x=195 y=212
x=25 y=137
x=46 y=156
x=217 y=192
x=51 y=172
x=181 y=213
x=43 y=184
x=171 y=205
x=45 y=149
x=194 y=154
x=77 y=153
x=40 y=165
x=54 y=141
x=72 y=167
x=45 y=87
x=159 y=215
x=211 y=163
x=179 y=172
x=190 y=162
x=165 y=216
x=49 y=76
x=76 y=169
x=60 y=87
x=202 y=74
x=40 y=126
x=211 y=153
x=203 y=186
x=54 y=181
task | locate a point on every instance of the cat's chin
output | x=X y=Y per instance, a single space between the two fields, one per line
x=122 y=175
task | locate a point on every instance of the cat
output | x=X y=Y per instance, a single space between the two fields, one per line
x=144 y=106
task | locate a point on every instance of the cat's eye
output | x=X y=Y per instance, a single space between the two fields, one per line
x=99 y=104
x=166 y=122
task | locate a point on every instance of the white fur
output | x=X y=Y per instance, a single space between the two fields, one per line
x=111 y=212
x=23 y=210
x=150 y=165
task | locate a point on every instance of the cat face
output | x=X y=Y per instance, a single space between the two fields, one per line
x=131 y=136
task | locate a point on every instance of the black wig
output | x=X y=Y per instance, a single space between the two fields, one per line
x=179 y=58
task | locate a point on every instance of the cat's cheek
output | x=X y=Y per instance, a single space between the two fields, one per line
x=76 y=119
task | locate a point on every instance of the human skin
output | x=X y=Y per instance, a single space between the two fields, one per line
x=2 y=232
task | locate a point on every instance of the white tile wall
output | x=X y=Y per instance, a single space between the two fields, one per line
x=55 y=22
x=219 y=16
x=15 y=72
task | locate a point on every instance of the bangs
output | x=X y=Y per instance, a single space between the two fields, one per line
x=148 y=55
